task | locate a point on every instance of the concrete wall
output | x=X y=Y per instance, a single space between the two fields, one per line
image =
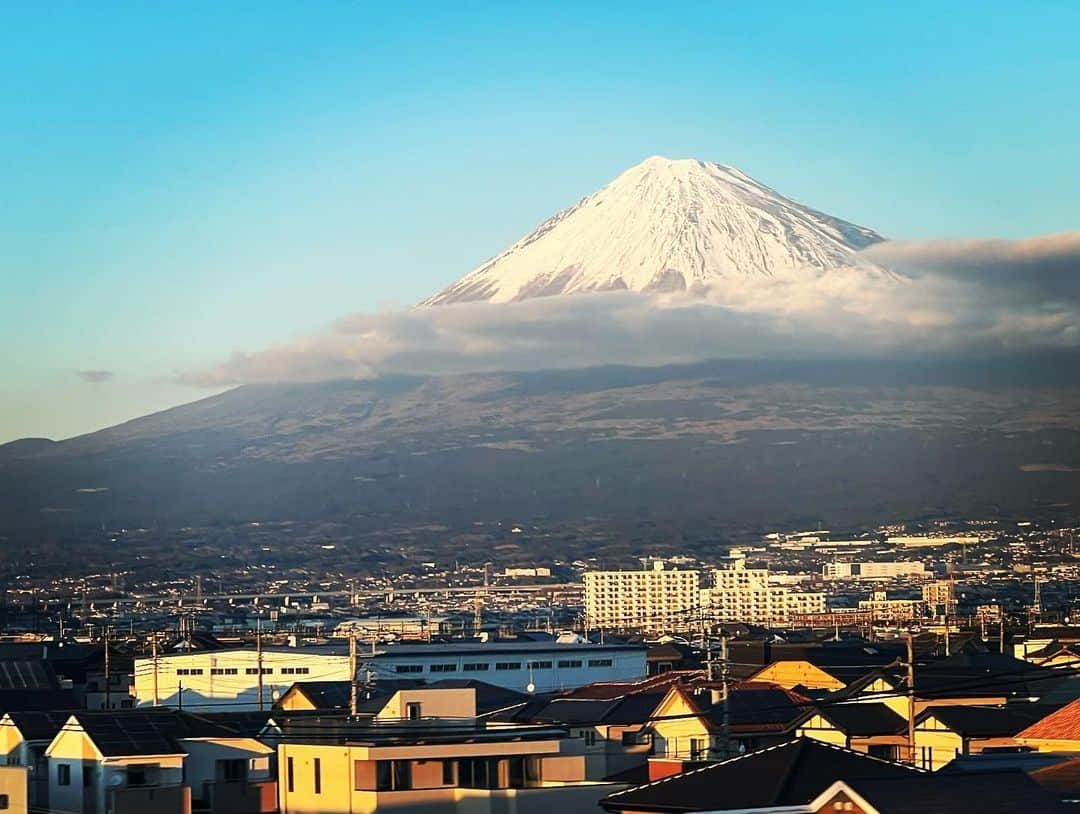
x=438 y=703
x=15 y=783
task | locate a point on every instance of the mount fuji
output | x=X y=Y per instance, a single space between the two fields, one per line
x=666 y=226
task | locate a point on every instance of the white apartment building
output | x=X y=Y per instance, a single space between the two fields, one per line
x=872 y=570
x=657 y=600
x=741 y=594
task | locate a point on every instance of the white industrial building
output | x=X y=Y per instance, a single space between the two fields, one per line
x=228 y=680
x=522 y=666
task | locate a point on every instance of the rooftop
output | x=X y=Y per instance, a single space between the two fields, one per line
x=791 y=774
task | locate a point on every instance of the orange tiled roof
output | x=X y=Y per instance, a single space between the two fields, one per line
x=1063 y=725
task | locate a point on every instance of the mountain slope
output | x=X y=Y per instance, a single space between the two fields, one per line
x=666 y=225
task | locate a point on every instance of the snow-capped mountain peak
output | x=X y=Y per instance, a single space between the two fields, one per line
x=666 y=225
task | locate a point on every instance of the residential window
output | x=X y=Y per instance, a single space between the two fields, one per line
x=222 y=671
x=590 y=736
x=413 y=710
x=4 y=804
x=63 y=774
x=232 y=771
x=289 y=774
x=476 y=666
x=478 y=773
x=409 y=668
x=569 y=664
x=448 y=778
x=600 y=662
x=508 y=665
x=523 y=772
x=254 y=671
x=318 y=775
x=295 y=671
x=393 y=775
x=699 y=747
x=443 y=668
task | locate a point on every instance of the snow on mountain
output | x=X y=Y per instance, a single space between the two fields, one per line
x=667 y=225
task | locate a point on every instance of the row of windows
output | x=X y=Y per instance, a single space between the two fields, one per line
x=254 y=671
x=397 y=775
x=483 y=666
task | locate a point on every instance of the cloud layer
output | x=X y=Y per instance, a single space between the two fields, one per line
x=972 y=296
x=95 y=376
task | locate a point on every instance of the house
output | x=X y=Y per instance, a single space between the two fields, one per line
x=333 y=766
x=156 y=760
x=327 y=696
x=943 y=734
x=993 y=793
x=786 y=777
x=613 y=731
x=695 y=724
x=32 y=684
x=1057 y=732
x=871 y=728
x=15 y=790
x=24 y=737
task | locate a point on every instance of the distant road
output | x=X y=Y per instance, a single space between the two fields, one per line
x=364 y=594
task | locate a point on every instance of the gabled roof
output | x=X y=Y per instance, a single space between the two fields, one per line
x=863 y=719
x=988 y=722
x=991 y=793
x=969 y=675
x=38 y=725
x=20 y=674
x=1062 y=725
x=146 y=732
x=793 y=773
x=624 y=711
x=751 y=707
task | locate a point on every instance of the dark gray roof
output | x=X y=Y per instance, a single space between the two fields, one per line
x=991 y=793
x=16 y=700
x=27 y=674
x=146 y=732
x=39 y=725
x=793 y=773
x=502 y=648
x=990 y=722
x=864 y=719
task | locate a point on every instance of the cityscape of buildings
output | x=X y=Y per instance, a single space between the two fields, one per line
x=855 y=661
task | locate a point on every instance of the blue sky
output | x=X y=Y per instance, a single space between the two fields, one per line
x=181 y=184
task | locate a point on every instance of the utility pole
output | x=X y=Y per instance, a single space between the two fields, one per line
x=107 y=681
x=153 y=650
x=258 y=655
x=911 y=698
x=352 y=675
x=725 y=727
